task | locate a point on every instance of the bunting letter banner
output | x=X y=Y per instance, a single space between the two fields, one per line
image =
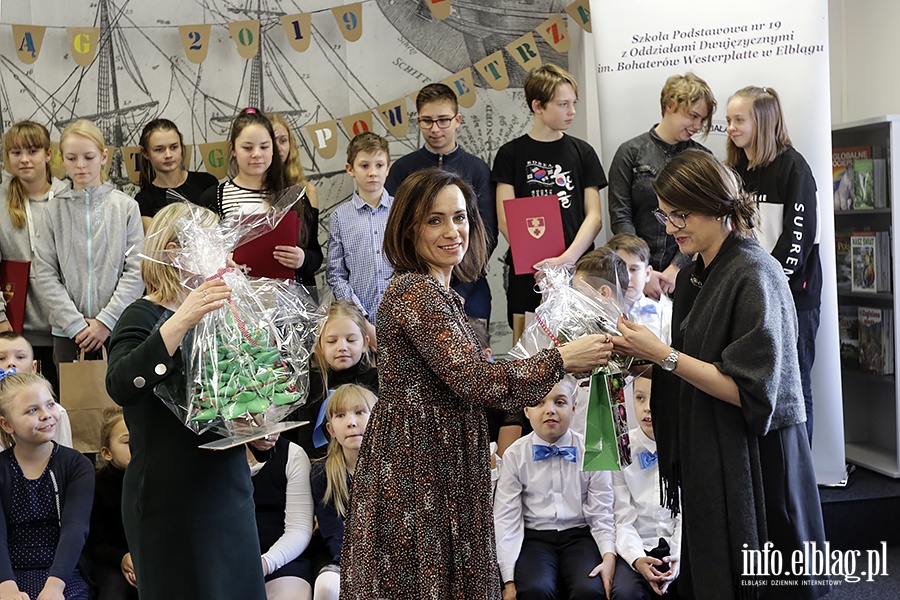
x=440 y=9
x=493 y=69
x=131 y=156
x=56 y=165
x=298 y=29
x=395 y=117
x=195 y=39
x=215 y=158
x=356 y=124
x=324 y=137
x=580 y=11
x=246 y=37
x=554 y=31
x=349 y=20
x=104 y=168
x=461 y=83
x=28 y=40
x=83 y=44
x=525 y=51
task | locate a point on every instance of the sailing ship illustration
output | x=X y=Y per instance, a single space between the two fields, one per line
x=124 y=87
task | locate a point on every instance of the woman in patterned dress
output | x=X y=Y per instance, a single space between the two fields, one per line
x=420 y=524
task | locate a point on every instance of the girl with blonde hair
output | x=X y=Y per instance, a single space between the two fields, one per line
x=26 y=154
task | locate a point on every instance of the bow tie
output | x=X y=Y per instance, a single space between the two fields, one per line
x=569 y=453
x=647 y=309
x=647 y=459
x=6 y=373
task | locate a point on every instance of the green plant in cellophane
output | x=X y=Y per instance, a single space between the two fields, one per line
x=245 y=365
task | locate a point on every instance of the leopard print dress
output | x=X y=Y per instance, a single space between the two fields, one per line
x=420 y=524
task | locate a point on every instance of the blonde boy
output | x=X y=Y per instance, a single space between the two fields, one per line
x=648 y=537
x=547 y=161
x=357 y=270
x=656 y=315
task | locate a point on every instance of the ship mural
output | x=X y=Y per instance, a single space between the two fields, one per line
x=140 y=72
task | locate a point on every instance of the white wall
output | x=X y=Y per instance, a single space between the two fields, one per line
x=865 y=47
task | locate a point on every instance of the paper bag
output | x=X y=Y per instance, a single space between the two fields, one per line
x=82 y=391
x=606 y=443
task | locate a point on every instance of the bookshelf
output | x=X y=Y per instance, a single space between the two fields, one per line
x=870 y=401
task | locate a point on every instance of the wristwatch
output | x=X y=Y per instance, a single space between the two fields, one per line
x=671 y=361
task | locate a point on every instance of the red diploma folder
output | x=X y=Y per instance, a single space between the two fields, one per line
x=257 y=253
x=14 y=284
x=535 y=230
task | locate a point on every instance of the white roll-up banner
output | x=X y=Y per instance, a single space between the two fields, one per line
x=778 y=44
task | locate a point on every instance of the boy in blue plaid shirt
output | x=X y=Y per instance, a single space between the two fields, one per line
x=357 y=270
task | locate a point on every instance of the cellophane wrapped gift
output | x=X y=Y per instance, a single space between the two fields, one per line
x=245 y=364
x=570 y=310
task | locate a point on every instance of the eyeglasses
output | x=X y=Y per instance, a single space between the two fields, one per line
x=677 y=221
x=442 y=123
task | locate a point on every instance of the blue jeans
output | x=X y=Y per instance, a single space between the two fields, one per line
x=807 y=326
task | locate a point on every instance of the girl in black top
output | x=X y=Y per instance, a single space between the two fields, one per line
x=162 y=169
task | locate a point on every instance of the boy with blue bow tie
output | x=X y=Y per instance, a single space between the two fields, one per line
x=648 y=538
x=655 y=315
x=553 y=522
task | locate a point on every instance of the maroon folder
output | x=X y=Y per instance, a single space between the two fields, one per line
x=257 y=253
x=535 y=230
x=14 y=283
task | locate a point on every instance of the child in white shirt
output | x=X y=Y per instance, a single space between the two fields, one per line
x=653 y=314
x=554 y=524
x=648 y=538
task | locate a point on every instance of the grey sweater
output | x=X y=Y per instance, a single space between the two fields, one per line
x=16 y=244
x=87 y=262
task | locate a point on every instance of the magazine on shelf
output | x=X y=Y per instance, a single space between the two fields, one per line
x=842 y=158
x=870 y=261
x=843 y=260
x=876 y=340
x=869 y=188
x=848 y=333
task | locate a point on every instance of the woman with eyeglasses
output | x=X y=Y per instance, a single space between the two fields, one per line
x=727 y=401
x=687 y=104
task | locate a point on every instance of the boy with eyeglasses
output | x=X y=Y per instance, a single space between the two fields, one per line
x=439 y=119
x=544 y=162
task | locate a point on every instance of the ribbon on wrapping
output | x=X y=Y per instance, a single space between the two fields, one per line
x=241 y=326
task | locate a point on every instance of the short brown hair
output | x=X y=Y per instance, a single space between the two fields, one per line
x=542 y=83
x=370 y=142
x=605 y=264
x=683 y=91
x=412 y=205
x=632 y=244
x=436 y=92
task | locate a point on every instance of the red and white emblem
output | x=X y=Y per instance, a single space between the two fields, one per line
x=536 y=227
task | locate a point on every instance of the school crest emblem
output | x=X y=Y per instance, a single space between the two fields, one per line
x=9 y=290
x=536 y=227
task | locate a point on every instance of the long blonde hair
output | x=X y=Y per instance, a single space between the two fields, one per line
x=162 y=280
x=338 y=309
x=10 y=387
x=292 y=166
x=24 y=135
x=770 y=135
x=347 y=397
